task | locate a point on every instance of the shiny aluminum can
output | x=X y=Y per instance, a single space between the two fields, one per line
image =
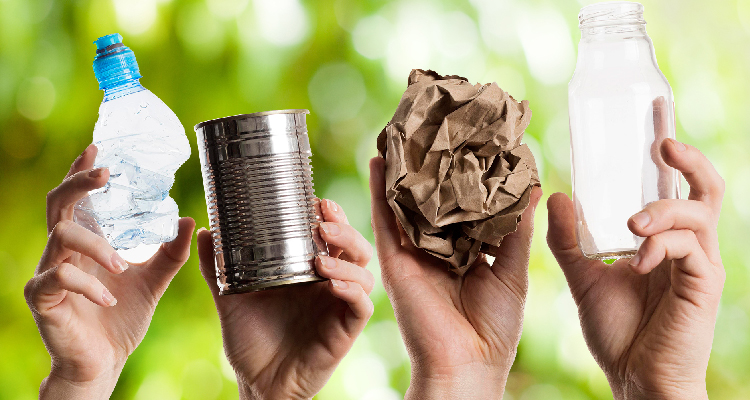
x=262 y=210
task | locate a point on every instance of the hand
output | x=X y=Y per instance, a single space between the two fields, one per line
x=92 y=311
x=284 y=343
x=461 y=332
x=649 y=321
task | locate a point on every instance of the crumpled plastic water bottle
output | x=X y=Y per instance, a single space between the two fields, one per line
x=143 y=144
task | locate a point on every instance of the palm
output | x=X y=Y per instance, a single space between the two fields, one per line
x=455 y=320
x=93 y=338
x=296 y=331
x=652 y=314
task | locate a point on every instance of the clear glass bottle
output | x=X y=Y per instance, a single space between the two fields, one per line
x=621 y=109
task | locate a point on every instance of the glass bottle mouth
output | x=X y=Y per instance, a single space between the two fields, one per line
x=611 y=14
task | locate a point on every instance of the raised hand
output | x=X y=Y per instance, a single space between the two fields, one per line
x=285 y=343
x=93 y=309
x=461 y=332
x=649 y=321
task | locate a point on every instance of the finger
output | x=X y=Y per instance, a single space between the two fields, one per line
x=333 y=213
x=384 y=225
x=68 y=238
x=359 y=303
x=665 y=174
x=84 y=161
x=355 y=248
x=333 y=268
x=49 y=289
x=672 y=245
x=512 y=256
x=706 y=184
x=664 y=215
x=206 y=260
x=163 y=265
x=60 y=200
x=579 y=271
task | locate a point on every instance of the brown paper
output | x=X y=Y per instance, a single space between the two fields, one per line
x=457 y=175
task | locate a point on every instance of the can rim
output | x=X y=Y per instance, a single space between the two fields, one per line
x=253 y=115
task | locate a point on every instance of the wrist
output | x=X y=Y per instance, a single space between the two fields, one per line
x=474 y=382
x=57 y=386
x=247 y=392
x=682 y=391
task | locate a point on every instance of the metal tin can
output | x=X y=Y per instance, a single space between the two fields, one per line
x=262 y=210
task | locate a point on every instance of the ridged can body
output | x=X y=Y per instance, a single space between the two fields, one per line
x=262 y=210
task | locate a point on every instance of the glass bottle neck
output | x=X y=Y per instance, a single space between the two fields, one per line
x=123 y=88
x=613 y=32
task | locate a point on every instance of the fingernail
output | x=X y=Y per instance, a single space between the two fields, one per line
x=679 y=146
x=108 y=298
x=200 y=230
x=642 y=219
x=327 y=262
x=96 y=173
x=118 y=262
x=635 y=260
x=332 y=205
x=339 y=284
x=330 y=229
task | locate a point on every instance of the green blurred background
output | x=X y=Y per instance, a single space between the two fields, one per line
x=347 y=61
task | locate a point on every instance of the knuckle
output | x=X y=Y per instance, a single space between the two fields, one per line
x=51 y=196
x=720 y=186
x=692 y=238
x=62 y=273
x=60 y=229
x=92 y=284
x=29 y=289
x=369 y=306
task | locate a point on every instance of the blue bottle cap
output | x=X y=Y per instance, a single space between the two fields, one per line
x=114 y=63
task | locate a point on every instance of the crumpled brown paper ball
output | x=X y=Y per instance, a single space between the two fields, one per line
x=457 y=175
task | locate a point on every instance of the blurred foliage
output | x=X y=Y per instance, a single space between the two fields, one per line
x=347 y=61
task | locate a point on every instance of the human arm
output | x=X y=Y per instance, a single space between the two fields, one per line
x=461 y=333
x=286 y=342
x=92 y=309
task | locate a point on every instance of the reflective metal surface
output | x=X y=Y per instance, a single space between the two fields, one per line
x=262 y=210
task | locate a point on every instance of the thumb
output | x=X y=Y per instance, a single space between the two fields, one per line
x=171 y=256
x=512 y=256
x=580 y=272
x=206 y=261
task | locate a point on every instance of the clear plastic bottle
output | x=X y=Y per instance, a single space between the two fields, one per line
x=143 y=144
x=621 y=109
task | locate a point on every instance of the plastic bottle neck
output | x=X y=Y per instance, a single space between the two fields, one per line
x=123 y=88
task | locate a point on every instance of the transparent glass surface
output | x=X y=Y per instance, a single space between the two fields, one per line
x=621 y=108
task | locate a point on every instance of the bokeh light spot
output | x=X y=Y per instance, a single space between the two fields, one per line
x=227 y=8
x=281 y=22
x=337 y=91
x=201 y=380
x=509 y=79
x=36 y=98
x=409 y=46
x=370 y=36
x=497 y=20
x=364 y=374
x=202 y=34
x=700 y=108
x=135 y=16
x=557 y=144
x=455 y=35
x=158 y=385
x=541 y=391
x=547 y=44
